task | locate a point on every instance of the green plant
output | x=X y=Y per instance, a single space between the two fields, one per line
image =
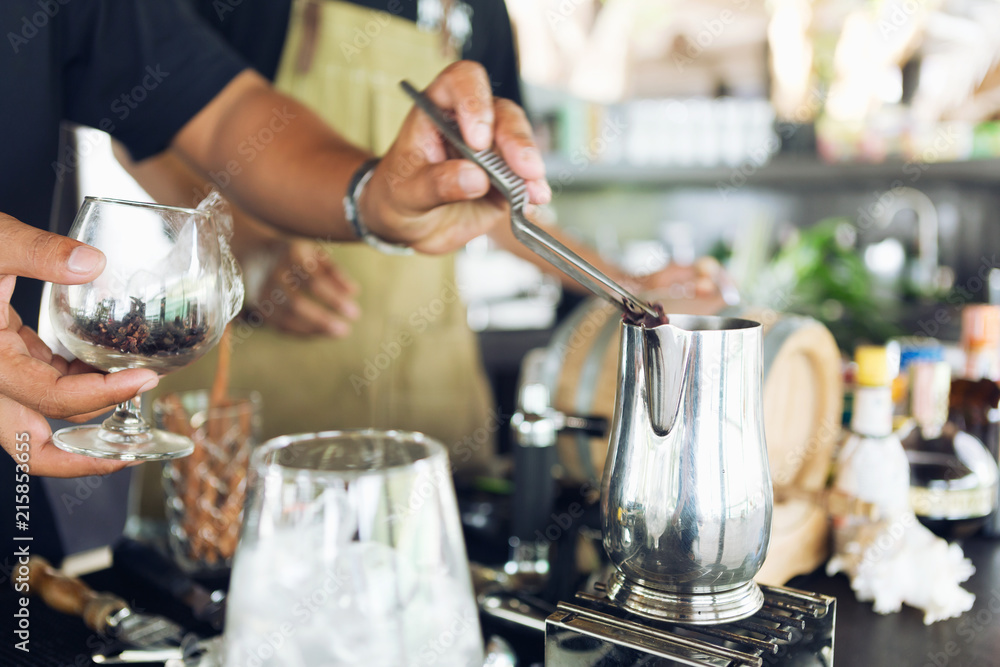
x=819 y=273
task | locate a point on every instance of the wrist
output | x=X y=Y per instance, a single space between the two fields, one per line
x=358 y=214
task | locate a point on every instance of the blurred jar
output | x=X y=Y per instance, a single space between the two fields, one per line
x=205 y=492
x=953 y=478
x=975 y=397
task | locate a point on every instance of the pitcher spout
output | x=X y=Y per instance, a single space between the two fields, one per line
x=665 y=360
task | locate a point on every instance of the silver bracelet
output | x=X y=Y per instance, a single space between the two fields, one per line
x=353 y=212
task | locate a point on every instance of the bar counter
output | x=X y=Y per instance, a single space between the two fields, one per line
x=866 y=639
x=863 y=638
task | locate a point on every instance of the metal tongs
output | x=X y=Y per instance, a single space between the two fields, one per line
x=534 y=237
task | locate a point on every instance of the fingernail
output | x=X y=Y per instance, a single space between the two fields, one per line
x=351 y=310
x=532 y=156
x=481 y=135
x=469 y=179
x=149 y=385
x=84 y=259
x=546 y=192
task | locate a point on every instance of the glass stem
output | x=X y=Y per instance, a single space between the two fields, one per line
x=127 y=419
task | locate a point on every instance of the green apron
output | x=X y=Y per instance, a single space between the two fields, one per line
x=411 y=362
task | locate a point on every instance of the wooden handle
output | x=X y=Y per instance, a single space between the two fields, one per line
x=69 y=595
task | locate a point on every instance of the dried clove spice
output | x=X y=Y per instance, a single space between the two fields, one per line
x=646 y=319
x=133 y=334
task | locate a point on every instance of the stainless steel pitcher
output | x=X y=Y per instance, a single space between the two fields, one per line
x=686 y=496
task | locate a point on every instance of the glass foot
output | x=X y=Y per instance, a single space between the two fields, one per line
x=94 y=440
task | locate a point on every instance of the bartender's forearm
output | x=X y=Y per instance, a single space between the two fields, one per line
x=283 y=164
x=165 y=177
x=171 y=181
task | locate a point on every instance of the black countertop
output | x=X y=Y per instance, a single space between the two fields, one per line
x=863 y=638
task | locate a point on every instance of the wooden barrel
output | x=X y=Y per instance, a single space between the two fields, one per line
x=802 y=391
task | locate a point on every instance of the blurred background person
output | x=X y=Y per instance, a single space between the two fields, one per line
x=342 y=335
x=203 y=103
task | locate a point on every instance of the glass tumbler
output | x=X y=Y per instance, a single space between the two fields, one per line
x=352 y=554
x=206 y=492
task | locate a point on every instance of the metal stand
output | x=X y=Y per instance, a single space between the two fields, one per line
x=792 y=628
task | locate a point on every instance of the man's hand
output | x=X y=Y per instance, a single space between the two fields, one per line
x=420 y=197
x=298 y=289
x=417 y=196
x=34 y=384
x=694 y=288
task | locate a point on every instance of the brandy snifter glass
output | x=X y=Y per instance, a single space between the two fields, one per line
x=163 y=300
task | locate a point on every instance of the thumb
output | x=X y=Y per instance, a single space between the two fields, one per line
x=34 y=253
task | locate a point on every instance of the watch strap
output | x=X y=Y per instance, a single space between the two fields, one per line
x=352 y=211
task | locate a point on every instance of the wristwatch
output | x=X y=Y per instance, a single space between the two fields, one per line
x=353 y=212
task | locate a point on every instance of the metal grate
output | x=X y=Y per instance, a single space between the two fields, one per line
x=791 y=626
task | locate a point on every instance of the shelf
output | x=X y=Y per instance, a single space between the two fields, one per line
x=782 y=172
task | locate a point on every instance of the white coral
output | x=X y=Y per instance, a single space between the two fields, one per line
x=890 y=563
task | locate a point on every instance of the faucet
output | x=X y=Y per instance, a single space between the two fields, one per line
x=926 y=275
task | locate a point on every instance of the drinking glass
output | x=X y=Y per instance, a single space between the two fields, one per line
x=206 y=492
x=351 y=554
x=169 y=289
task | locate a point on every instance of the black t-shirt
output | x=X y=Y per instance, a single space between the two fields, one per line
x=139 y=69
x=257 y=28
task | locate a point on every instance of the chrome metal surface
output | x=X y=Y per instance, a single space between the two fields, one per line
x=594 y=631
x=515 y=191
x=138 y=656
x=549 y=248
x=507 y=607
x=927 y=269
x=191 y=652
x=143 y=630
x=696 y=608
x=499 y=653
x=686 y=495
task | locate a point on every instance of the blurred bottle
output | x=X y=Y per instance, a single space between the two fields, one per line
x=981 y=341
x=953 y=478
x=975 y=397
x=911 y=351
x=892 y=559
x=872 y=465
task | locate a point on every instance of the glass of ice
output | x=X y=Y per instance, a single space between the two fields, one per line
x=351 y=554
